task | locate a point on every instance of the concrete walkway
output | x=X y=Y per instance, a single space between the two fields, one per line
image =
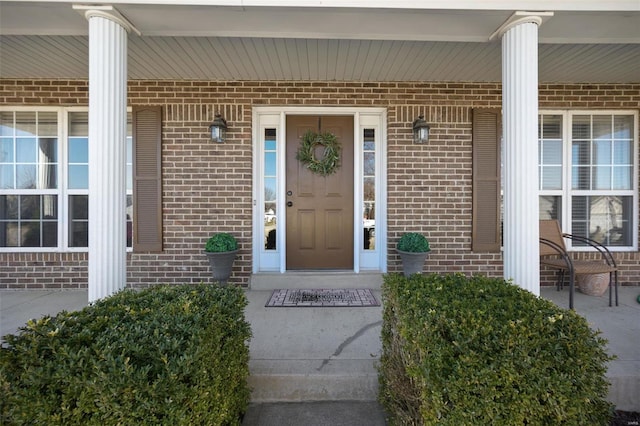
x=619 y=325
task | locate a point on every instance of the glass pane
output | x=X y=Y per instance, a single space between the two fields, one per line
x=26 y=151
x=79 y=225
x=551 y=177
x=129 y=207
x=550 y=207
x=78 y=124
x=26 y=176
x=271 y=242
x=78 y=177
x=78 y=207
x=551 y=126
x=30 y=232
x=606 y=219
x=581 y=153
x=8 y=207
x=622 y=177
x=9 y=232
x=50 y=207
x=270 y=190
x=270 y=226
x=622 y=152
x=48 y=152
x=369 y=186
x=48 y=176
x=78 y=150
x=602 y=152
x=129 y=177
x=79 y=234
x=129 y=210
x=129 y=151
x=6 y=177
x=369 y=163
x=623 y=127
x=581 y=177
x=369 y=140
x=50 y=234
x=581 y=127
x=602 y=126
x=29 y=207
x=369 y=225
x=25 y=123
x=269 y=163
x=6 y=150
x=551 y=152
x=47 y=123
x=602 y=177
x=6 y=123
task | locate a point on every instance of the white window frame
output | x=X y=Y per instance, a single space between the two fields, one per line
x=62 y=191
x=567 y=193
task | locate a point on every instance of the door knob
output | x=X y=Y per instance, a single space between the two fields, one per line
x=289 y=193
x=289 y=203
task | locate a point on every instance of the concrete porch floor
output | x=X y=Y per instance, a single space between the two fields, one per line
x=329 y=354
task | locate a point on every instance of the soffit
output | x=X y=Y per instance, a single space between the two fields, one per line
x=201 y=41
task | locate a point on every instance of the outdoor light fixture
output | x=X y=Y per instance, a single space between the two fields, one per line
x=420 y=130
x=218 y=129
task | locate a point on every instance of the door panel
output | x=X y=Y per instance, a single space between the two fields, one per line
x=320 y=217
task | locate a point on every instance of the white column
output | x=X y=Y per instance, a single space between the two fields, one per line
x=107 y=142
x=520 y=161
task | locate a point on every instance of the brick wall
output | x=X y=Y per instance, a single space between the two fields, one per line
x=207 y=187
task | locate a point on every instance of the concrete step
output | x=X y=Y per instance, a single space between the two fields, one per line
x=311 y=380
x=313 y=354
x=308 y=280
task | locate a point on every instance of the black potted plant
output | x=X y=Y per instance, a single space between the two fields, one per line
x=221 y=250
x=413 y=249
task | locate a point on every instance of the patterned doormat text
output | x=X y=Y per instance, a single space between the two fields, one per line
x=318 y=298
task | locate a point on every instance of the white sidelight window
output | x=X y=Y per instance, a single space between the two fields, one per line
x=588 y=174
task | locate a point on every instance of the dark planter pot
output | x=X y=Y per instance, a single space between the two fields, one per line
x=221 y=265
x=412 y=263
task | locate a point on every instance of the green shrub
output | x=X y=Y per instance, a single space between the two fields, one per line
x=414 y=243
x=163 y=356
x=463 y=351
x=221 y=242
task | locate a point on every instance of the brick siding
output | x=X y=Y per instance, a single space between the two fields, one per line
x=207 y=187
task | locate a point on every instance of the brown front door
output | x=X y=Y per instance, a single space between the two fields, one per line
x=319 y=208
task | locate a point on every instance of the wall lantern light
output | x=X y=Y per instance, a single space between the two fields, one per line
x=218 y=129
x=420 y=130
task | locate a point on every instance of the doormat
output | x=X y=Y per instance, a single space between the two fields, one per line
x=349 y=297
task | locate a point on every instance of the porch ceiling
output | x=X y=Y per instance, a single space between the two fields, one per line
x=199 y=40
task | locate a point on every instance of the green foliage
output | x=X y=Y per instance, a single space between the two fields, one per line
x=414 y=243
x=330 y=161
x=163 y=356
x=462 y=351
x=221 y=242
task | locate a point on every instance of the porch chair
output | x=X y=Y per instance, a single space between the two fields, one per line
x=553 y=254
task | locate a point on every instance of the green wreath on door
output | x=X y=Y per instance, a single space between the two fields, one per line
x=330 y=161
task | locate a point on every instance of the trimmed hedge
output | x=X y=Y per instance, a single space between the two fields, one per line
x=460 y=350
x=166 y=355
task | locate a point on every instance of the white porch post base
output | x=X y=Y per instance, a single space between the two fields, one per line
x=107 y=149
x=520 y=124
